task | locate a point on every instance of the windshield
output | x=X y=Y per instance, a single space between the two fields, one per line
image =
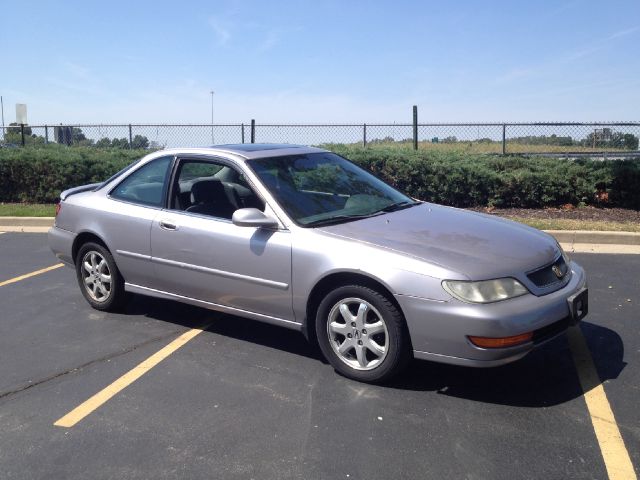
x=323 y=188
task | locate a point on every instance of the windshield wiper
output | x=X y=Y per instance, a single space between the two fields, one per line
x=398 y=206
x=346 y=218
x=337 y=219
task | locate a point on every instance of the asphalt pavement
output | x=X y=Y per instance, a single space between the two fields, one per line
x=250 y=400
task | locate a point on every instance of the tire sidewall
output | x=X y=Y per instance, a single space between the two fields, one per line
x=397 y=340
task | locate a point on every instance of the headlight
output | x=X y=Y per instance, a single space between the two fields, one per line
x=564 y=254
x=486 y=291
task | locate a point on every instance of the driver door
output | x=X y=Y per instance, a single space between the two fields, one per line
x=197 y=251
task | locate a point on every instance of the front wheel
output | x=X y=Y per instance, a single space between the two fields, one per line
x=99 y=278
x=362 y=334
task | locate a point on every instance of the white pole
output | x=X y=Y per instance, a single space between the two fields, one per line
x=212 y=140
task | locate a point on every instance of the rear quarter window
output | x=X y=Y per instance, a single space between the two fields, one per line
x=147 y=185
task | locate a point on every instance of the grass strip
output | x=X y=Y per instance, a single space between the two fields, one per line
x=27 y=210
x=572 y=224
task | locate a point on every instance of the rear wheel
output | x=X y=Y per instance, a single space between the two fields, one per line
x=362 y=334
x=99 y=278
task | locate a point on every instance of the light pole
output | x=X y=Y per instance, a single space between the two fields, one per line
x=212 y=140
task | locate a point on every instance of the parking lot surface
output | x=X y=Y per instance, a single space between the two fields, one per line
x=250 y=400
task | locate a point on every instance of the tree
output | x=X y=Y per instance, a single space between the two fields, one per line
x=79 y=138
x=14 y=128
x=76 y=135
x=119 y=143
x=13 y=135
x=605 y=137
x=103 y=143
x=629 y=141
x=140 y=141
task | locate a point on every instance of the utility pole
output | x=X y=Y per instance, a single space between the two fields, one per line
x=212 y=139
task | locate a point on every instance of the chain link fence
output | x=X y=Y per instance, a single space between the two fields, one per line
x=606 y=138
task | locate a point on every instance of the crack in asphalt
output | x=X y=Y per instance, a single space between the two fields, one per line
x=79 y=368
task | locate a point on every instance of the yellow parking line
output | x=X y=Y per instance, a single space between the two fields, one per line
x=615 y=455
x=32 y=274
x=84 y=409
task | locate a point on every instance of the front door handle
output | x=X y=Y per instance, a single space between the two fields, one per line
x=168 y=225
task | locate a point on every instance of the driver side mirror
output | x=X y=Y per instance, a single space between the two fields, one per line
x=252 y=217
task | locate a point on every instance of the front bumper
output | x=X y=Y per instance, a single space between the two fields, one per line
x=439 y=330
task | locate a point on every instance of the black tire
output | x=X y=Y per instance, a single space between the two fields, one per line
x=373 y=367
x=90 y=277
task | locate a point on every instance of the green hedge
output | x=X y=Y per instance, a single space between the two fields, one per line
x=39 y=174
x=464 y=180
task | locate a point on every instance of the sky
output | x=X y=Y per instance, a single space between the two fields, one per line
x=345 y=61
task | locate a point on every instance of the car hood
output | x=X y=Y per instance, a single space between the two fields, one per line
x=475 y=245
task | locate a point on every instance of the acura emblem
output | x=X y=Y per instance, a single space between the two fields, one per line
x=556 y=269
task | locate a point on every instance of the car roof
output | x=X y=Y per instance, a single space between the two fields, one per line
x=249 y=151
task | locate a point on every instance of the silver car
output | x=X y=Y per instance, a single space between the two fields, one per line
x=300 y=237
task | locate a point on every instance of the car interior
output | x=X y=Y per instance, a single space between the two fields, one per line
x=218 y=194
x=218 y=190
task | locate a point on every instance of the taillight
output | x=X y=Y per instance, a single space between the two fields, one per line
x=58 y=207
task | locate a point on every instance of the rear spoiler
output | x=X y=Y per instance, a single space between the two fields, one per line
x=83 y=188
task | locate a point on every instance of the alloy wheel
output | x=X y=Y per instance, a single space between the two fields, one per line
x=96 y=276
x=358 y=333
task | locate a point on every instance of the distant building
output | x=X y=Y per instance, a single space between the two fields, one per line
x=63 y=135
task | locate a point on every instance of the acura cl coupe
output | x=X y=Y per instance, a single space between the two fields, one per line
x=301 y=237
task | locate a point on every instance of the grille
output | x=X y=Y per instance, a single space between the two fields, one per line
x=545 y=276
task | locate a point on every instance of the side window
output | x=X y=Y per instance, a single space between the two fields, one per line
x=146 y=185
x=210 y=188
x=191 y=170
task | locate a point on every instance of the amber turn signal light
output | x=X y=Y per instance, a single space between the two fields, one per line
x=487 y=342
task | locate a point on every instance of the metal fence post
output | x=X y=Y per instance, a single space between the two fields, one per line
x=22 y=133
x=253 y=131
x=130 y=138
x=364 y=136
x=242 y=132
x=504 y=138
x=415 y=127
x=46 y=135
